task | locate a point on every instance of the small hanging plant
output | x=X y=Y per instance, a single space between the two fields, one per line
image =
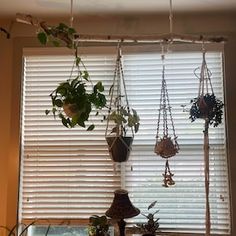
x=122 y=120
x=72 y=100
x=207 y=106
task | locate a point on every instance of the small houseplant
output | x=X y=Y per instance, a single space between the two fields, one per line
x=72 y=100
x=207 y=106
x=122 y=121
x=151 y=227
x=98 y=226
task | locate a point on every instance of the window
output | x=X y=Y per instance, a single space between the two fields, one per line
x=67 y=173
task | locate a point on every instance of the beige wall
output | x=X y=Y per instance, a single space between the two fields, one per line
x=10 y=64
x=5 y=104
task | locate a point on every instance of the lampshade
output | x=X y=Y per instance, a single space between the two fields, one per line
x=121 y=206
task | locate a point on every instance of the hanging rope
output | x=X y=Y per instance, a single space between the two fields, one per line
x=205 y=87
x=71 y=13
x=207 y=180
x=171 y=21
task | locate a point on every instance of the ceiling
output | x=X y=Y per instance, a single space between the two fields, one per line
x=51 y=8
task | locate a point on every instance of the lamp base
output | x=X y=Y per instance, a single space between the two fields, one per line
x=121 y=223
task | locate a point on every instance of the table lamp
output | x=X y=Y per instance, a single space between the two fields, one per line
x=121 y=208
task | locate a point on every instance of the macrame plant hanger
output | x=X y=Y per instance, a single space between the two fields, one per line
x=205 y=80
x=205 y=88
x=166 y=145
x=118 y=100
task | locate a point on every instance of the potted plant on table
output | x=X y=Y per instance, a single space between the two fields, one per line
x=151 y=227
x=73 y=99
x=98 y=226
x=122 y=120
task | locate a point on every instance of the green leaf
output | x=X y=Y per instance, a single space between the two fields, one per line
x=81 y=123
x=71 y=31
x=123 y=111
x=78 y=60
x=136 y=127
x=99 y=86
x=62 y=26
x=102 y=100
x=64 y=122
x=75 y=82
x=56 y=43
x=152 y=205
x=47 y=112
x=91 y=127
x=54 y=111
x=58 y=103
x=85 y=75
x=42 y=37
x=74 y=120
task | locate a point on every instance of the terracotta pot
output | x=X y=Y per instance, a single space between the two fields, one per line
x=166 y=148
x=119 y=147
x=203 y=107
x=70 y=109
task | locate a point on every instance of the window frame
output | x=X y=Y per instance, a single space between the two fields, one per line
x=87 y=50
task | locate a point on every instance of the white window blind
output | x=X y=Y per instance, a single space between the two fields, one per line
x=68 y=173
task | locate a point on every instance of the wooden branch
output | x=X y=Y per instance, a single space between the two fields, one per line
x=151 y=38
x=6 y=32
x=28 y=19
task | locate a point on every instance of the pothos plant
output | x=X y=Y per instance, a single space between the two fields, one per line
x=72 y=101
x=120 y=112
x=122 y=120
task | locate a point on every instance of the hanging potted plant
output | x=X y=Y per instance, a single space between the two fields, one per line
x=73 y=99
x=166 y=144
x=122 y=120
x=209 y=108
